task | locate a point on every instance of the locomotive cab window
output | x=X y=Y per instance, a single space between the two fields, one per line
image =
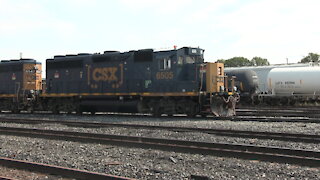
x=190 y=60
x=165 y=64
x=180 y=60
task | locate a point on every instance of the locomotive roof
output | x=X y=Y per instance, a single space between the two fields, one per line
x=18 y=61
x=199 y=51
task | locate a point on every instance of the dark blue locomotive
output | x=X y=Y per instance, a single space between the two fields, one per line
x=144 y=81
x=20 y=83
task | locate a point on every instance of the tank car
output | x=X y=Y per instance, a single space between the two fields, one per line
x=143 y=81
x=20 y=84
x=290 y=85
x=246 y=82
x=298 y=81
x=282 y=91
x=263 y=71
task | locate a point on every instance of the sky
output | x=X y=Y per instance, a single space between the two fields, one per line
x=273 y=29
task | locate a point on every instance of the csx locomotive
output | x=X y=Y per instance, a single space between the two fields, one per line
x=169 y=82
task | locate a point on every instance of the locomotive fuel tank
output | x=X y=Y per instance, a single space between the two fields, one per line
x=294 y=81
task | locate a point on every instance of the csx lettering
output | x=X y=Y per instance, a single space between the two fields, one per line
x=164 y=75
x=105 y=74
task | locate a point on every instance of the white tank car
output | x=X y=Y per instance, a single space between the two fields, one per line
x=294 y=81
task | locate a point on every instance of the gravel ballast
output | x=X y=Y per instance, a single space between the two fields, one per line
x=26 y=175
x=145 y=163
x=153 y=164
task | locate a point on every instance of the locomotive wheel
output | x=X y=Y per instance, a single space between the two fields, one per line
x=55 y=111
x=157 y=111
x=79 y=111
x=191 y=110
x=15 y=111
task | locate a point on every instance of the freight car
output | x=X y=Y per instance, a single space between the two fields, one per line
x=291 y=85
x=143 y=81
x=262 y=73
x=285 y=85
x=246 y=82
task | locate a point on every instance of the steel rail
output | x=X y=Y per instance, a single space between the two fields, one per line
x=272 y=119
x=6 y=178
x=241 y=116
x=271 y=154
x=57 y=170
x=277 y=113
x=294 y=137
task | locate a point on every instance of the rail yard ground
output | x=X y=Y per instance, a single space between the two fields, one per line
x=157 y=164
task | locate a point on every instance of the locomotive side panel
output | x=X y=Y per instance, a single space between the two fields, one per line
x=64 y=75
x=11 y=77
x=142 y=71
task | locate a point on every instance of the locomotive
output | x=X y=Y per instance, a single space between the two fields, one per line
x=168 y=82
x=21 y=82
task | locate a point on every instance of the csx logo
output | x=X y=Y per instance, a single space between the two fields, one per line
x=105 y=74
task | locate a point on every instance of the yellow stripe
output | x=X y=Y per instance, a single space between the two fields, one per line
x=120 y=94
x=7 y=95
x=171 y=94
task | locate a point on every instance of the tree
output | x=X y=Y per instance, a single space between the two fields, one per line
x=241 y=61
x=221 y=61
x=237 y=62
x=258 y=61
x=312 y=57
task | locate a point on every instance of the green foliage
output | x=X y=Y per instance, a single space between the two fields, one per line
x=241 y=61
x=312 y=57
x=258 y=61
x=221 y=61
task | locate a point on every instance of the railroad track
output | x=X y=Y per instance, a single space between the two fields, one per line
x=279 y=112
x=294 y=137
x=56 y=170
x=262 y=115
x=265 y=118
x=6 y=178
x=271 y=154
